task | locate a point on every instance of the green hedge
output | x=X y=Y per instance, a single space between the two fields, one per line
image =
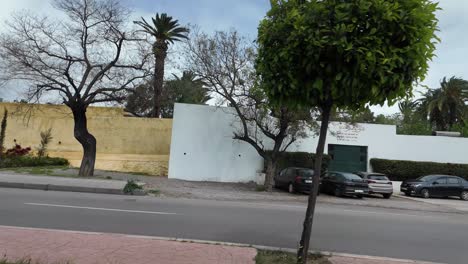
x=400 y=170
x=300 y=159
x=29 y=161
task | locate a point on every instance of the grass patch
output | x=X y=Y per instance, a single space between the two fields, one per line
x=280 y=257
x=260 y=188
x=42 y=170
x=154 y=192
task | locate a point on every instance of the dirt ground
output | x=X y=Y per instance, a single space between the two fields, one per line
x=171 y=188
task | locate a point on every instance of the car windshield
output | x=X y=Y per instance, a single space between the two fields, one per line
x=306 y=173
x=378 y=177
x=350 y=176
x=427 y=178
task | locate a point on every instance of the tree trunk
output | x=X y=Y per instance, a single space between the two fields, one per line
x=302 y=252
x=87 y=141
x=160 y=51
x=270 y=174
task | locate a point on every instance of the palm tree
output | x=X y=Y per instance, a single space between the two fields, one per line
x=188 y=89
x=446 y=105
x=407 y=108
x=165 y=30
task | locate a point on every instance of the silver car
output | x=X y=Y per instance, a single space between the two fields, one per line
x=378 y=183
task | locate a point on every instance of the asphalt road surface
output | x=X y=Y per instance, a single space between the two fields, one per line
x=438 y=237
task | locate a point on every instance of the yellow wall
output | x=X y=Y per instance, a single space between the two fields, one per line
x=123 y=143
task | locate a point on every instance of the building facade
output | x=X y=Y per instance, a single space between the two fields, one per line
x=202 y=147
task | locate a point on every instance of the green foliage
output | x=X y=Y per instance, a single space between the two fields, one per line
x=46 y=138
x=29 y=161
x=364 y=115
x=300 y=159
x=446 y=106
x=345 y=53
x=280 y=257
x=399 y=170
x=3 y=131
x=163 y=28
x=131 y=187
x=186 y=89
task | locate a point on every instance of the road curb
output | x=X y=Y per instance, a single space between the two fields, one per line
x=211 y=242
x=63 y=188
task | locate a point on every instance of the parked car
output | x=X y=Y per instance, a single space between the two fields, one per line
x=436 y=186
x=294 y=179
x=378 y=183
x=344 y=183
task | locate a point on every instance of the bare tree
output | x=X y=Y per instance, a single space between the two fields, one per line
x=85 y=58
x=225 y=62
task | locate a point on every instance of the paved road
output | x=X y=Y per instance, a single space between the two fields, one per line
x=439 y=237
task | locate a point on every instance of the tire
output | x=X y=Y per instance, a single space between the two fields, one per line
x=464 y=196
x=407 y=194
x=291 y=188
x=276 y=185
x=337 y=192
x=360 y=196
x=387 y=195
x=425 y=193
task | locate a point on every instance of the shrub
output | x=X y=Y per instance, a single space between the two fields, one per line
x=131 y=187
x=46 y=138
x=17 y=150
x=300 y=159
x=400 y=170
x=29 y=161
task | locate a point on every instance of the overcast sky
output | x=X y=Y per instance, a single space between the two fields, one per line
x=244 y=15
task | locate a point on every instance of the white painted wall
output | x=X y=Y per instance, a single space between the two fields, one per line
x=204 y=134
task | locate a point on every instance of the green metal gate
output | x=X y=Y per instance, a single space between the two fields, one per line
x=347 y=158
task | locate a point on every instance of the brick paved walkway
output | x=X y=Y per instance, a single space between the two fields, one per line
x=47 y=246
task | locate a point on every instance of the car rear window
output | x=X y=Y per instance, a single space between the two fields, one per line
x=351 y=176
x=378 y=177
x=306 y=173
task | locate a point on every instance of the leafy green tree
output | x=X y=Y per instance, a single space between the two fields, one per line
x=364 y=115
x=344 y=54
x=225 y=61
x=188 y=89
x=446 y=105
x=165 y=30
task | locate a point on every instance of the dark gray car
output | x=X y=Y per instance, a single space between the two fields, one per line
x=294 y=179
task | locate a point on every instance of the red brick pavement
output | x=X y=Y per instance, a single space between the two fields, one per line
x=49 y=246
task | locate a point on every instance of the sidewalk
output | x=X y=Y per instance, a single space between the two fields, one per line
x=52 y=183
x=56 y=246
x=48 y=246
x=453 y=203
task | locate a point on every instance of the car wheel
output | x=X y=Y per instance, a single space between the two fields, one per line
x=425 y=193
x=337 y=192
x=291 y=188
x=407 y=194
x=464 y=195
x=276 y=185
x=387 y=195
x=360 y=196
